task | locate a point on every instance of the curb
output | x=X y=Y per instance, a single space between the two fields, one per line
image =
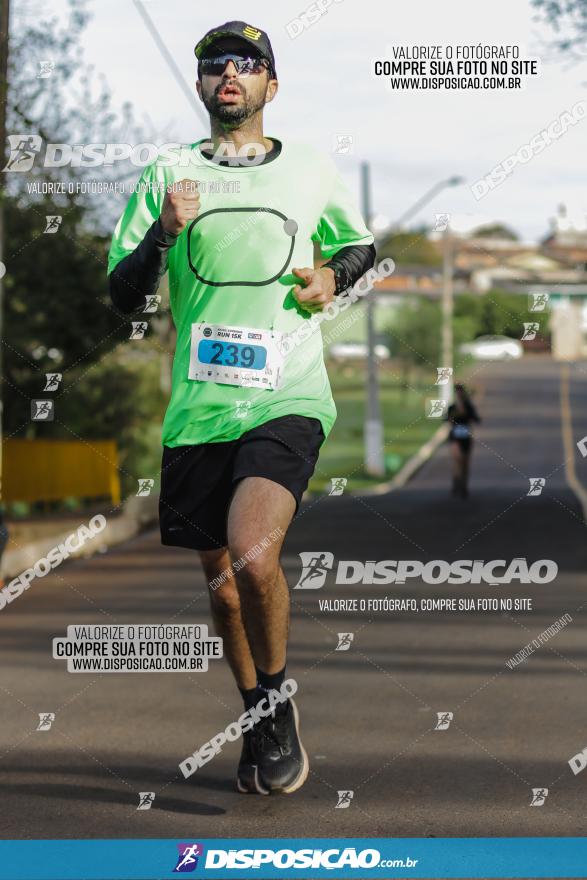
x=137 y=514
x=141 y=512
x=412 y=465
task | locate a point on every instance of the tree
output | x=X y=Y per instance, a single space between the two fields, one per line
x=410 y=248
x=495 y=230
x=58 y=314
x=414 y=336
x=496 y=313
x=72 y=105
x=569 y=20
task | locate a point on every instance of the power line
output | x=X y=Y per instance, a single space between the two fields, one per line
x=179 y=78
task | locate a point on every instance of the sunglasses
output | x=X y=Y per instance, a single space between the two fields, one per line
x=216 y=65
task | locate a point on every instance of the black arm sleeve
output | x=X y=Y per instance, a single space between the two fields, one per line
x=473 y=413
x=139 y=273
x=351 y=263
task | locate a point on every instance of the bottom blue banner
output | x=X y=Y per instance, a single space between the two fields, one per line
x=529 y=857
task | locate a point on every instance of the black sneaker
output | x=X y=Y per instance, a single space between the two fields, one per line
x=280 y=757
x=247 y=777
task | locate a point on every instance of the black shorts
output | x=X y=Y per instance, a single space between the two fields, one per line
x=197 y=481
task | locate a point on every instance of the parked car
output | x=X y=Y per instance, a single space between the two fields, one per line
x=493 y=348
x=353 y=351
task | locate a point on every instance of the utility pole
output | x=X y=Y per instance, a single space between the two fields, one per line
x=373 y=429
x=447 y=311
x=4 y=23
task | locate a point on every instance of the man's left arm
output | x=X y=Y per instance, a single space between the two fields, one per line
x=350 y=264
x=348 y=245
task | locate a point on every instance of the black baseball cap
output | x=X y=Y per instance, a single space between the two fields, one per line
x=252 y=35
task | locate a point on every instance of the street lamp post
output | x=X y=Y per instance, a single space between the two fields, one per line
x=446 y=347
x=446 y=338
x=373 y=429
x=455 y=180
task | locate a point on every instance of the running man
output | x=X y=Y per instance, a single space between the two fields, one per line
x=461 y=414
x=247 y=414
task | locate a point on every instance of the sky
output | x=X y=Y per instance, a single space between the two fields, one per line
x=411 y=139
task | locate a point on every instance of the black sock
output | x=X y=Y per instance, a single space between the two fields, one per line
x=251 y=697
x=270 y=682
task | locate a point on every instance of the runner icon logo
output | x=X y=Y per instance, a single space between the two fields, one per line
x=146 y=799
x=187 y=861
x=537 y=302
x=441 y=222
x=539 y=796
x=437 y=409
x=344 y=800
x=42 y=410
x=537 y=484
x=52 y=381
x=315 y=567
x=343 y=144
x=138 y=329
x=344 y=641
x=52 y=223
x=152 y=302
x=444 y=374
x=46 y=719
x=530 y=331
x=444 y=719
x=23 y=151
x=338 y=485
x=242 y=408
x=46 y=68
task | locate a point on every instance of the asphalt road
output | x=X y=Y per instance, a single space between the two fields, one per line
x=369 y=713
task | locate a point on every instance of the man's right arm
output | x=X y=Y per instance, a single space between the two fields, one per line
x=137 y=275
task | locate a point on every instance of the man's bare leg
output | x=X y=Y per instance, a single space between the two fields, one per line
x=259 y=515
x=457 y=467
x=226 y=613
x=228 y=623
x=261 y=508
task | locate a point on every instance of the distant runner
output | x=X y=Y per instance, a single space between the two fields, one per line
x=461 y=414
x=247 y=414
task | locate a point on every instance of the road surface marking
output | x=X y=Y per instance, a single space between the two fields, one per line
x=568 y=444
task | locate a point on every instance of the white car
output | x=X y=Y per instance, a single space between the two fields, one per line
x=493 y=348
x=352 y=351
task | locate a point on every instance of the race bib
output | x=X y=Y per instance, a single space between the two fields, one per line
x=460 y=432
x=242 y=356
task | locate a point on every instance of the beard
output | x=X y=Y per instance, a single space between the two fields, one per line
x=231 y=114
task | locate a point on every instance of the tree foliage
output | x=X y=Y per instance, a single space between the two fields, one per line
x=57 y=311
x=495 y=230
x=410 y=248
x=414 y=336
x=568 y=18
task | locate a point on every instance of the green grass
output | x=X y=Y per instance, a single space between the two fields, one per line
x=406 y=427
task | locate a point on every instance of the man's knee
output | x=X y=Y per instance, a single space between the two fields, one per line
x=225 y=600
x=216 y=564
x=255 y=566
x=258 y=573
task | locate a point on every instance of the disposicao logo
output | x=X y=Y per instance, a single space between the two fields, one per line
x=316 y=565
x=187 y=861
